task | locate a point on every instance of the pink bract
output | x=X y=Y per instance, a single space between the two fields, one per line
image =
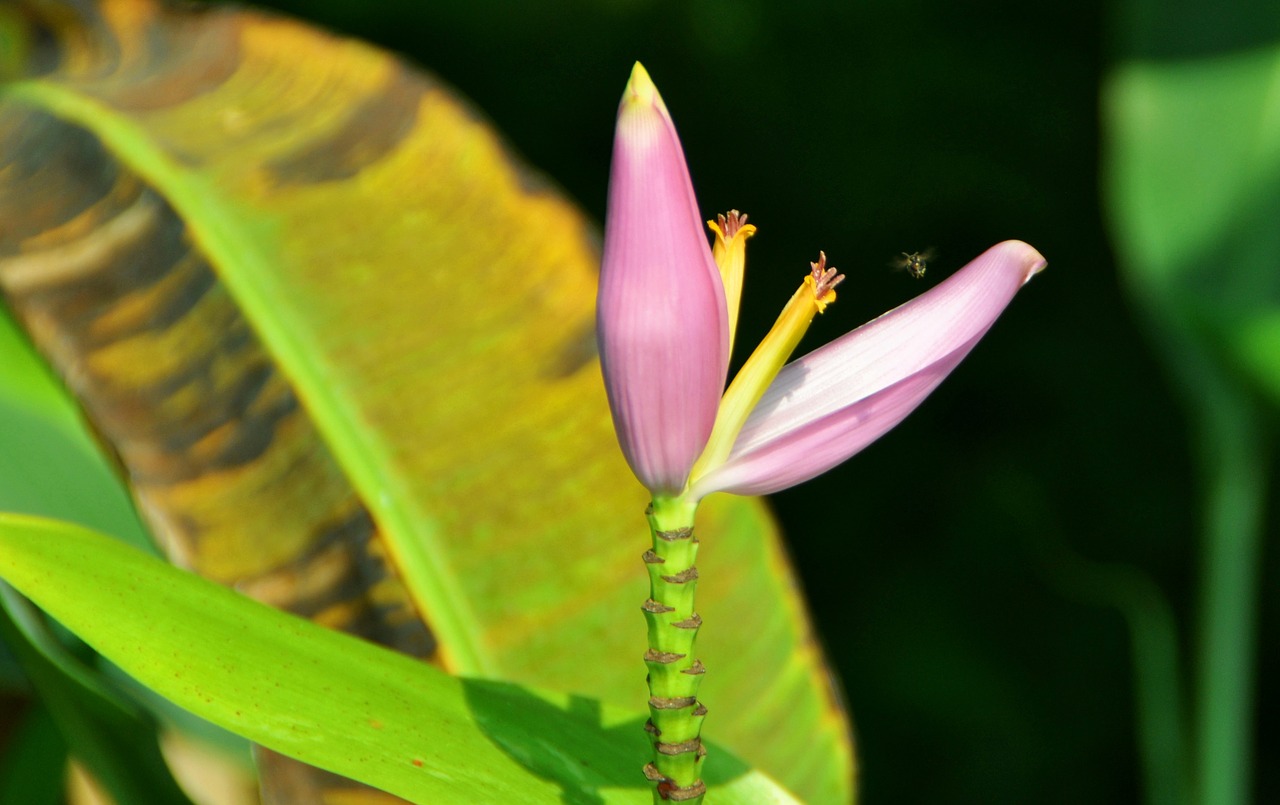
x=833 y=402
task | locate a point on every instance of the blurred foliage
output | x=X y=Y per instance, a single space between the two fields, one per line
x=1192 y=183
x=72 y=481
x=110 y=736
x=34 y=761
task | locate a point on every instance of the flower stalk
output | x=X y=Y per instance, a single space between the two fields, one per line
x=675 y=672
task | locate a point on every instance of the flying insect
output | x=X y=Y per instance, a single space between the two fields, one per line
x=914 y=263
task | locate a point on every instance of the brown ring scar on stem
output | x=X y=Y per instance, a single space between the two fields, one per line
x=688 y=792
x=674 y=793
x=682 y=748
x=657 y=609
x=675 y=534
x=672 y=702
x=682 y=577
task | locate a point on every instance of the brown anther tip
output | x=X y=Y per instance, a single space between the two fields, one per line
x=824 y=279
x=731 y=222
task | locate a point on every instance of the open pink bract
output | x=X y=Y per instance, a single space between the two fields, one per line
x=828 y=405
x=661 y=315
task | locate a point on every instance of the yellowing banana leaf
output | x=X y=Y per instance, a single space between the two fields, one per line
x=341 y=344
x=338 y=702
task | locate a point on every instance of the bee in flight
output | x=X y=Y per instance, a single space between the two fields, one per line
x=914 y=263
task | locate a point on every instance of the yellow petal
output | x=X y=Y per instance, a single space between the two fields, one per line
x=730 y=252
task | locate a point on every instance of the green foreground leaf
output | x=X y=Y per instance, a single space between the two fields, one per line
x=332 y=700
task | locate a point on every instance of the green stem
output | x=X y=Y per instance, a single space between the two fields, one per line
x=1235 y=464
x=675 y=714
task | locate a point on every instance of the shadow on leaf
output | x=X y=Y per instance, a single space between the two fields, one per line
x=524 y=727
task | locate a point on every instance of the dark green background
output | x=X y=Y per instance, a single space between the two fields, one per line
x=939 y=562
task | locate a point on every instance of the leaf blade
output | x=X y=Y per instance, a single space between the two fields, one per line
x=322 y=696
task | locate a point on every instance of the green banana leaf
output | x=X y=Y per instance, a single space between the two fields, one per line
x=335 y=701
x=340 y=343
